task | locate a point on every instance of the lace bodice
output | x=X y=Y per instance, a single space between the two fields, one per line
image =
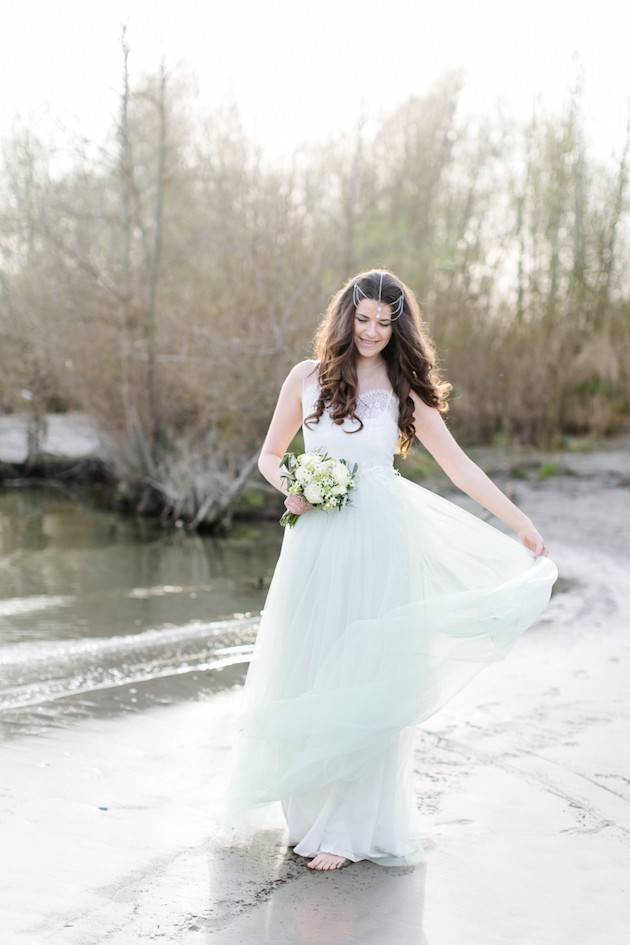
x=373 y=445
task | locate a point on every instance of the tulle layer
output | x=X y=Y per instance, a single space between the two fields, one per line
x=376 y=616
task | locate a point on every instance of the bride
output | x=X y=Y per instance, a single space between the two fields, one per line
x=380 y=612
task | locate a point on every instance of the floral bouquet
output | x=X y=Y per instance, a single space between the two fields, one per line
x=325 y=482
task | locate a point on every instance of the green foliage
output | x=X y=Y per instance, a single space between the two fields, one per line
x=550 y=468
x=418 y=466
x=253 y=497
x=518 y=472
x=582 y=444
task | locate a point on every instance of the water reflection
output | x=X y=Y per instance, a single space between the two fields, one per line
x=70 y=569
x=102 y=613
x=265 y=894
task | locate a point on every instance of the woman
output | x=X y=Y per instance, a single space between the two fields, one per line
x=380 y=612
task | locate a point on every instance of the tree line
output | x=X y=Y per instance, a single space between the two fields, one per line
x=165 y=280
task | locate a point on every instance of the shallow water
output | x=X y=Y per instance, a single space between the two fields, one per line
x=92 y=600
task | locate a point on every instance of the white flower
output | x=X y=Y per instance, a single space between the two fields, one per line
x=341 y=473
x=324 y=481
x=313 y=493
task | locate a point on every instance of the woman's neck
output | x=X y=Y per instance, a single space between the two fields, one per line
x=368 y=365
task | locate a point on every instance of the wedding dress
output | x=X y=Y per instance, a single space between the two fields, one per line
x=376 y=615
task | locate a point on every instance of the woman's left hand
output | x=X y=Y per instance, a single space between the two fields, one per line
x=297 y=504
x=533 y=540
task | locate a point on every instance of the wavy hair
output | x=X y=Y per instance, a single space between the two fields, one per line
x=409 y=355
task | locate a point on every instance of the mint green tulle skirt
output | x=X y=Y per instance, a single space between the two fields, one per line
x=376 y=616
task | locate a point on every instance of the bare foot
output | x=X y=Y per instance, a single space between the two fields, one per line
x=327 y=861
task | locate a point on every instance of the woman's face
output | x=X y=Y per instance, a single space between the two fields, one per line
x=372 y=327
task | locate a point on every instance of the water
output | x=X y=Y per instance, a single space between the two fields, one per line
x=102 y=612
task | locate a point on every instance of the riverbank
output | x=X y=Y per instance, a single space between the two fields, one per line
x=109 y=826
x=71 y=451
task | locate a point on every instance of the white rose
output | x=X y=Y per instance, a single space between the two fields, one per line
x=313 y=493
x=341 y=474
x=303 y=475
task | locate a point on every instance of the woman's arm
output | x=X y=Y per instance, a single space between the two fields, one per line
x=467 y=476
x=286 y=421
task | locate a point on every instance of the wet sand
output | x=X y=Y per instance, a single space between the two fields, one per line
x=109 y=826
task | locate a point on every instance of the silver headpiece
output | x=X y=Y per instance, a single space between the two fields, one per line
x=396 y=307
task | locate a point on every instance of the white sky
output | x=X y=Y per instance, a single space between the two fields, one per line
x=301 y=69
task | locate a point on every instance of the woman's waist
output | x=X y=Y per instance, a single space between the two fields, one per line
x=365 y=465
x=376 y=467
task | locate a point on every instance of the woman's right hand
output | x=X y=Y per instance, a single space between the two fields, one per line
x=297 y=504
x=533 y=540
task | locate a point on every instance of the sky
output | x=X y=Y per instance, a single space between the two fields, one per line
x=302 y=70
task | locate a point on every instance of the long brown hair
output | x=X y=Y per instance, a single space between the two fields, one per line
x=409 y=355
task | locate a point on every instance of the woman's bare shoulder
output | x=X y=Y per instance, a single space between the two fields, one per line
x=303 y=367
x=425 y=415
x=304 y=370
x=419 y=403
x=309 y=368
x=300 y=374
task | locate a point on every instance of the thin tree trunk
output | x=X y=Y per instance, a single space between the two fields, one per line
x=154 y=264
x=124 y=295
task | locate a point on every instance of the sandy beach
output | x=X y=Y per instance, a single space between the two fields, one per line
x=109 y=828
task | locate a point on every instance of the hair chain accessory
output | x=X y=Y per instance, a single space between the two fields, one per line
x=396 y=307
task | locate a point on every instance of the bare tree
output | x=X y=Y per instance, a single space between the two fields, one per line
x=167 y=280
